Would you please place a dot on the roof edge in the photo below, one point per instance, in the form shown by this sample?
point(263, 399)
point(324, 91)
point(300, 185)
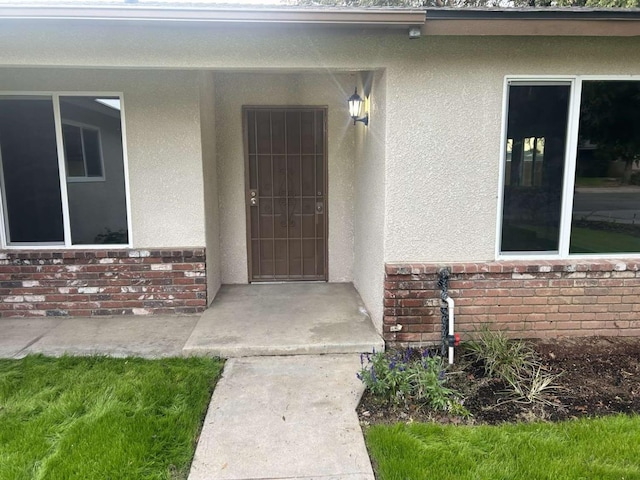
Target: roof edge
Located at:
point(548, 13)
point(368, 17)
point(575, 22)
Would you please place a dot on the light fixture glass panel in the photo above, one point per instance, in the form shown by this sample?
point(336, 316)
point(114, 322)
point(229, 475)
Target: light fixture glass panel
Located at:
point(355, 104)
point(354, 107)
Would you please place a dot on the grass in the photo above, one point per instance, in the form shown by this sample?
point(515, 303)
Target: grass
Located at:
point(596, 181)
point(583, 240)
point(602, 448)
point(101, 418)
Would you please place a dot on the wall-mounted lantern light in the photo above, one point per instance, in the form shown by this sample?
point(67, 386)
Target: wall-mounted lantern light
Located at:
point(355, 105)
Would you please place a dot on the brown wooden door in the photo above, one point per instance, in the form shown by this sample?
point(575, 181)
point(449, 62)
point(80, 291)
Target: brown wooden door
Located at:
point(286, 165)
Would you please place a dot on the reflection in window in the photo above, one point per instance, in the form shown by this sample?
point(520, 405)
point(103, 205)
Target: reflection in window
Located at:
point(606, 198)
point(82, 151)
point(97, 211)
point(536, 141)
point(530, 173)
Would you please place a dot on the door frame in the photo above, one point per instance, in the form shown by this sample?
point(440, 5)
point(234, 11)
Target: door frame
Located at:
point(245, 145)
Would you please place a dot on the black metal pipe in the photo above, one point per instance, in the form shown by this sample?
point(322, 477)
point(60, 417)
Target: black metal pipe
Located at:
point(443, 284)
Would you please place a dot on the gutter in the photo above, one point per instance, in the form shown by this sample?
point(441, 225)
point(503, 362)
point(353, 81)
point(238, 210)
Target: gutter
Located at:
point(613, 22)
point(371, 17)
point(547, 13)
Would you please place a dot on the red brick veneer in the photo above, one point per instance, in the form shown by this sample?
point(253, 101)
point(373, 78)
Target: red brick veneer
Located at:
point(102, 282)
point(528, 298)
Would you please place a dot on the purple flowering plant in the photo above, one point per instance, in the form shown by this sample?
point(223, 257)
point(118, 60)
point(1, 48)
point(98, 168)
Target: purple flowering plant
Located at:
point(411, 375)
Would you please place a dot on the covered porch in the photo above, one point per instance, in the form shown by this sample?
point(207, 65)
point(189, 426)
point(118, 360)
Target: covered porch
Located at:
point(284, 319)
point(188, 181)
point(293, 191)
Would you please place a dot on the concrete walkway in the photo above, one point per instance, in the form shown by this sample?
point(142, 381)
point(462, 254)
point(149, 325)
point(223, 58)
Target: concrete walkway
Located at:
point(284, 418)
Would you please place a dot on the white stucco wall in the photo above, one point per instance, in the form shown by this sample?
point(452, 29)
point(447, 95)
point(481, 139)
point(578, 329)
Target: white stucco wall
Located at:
point(210, 173)
point(192, 45)
point(162, 125)
point(369, 196)
point(233, 90)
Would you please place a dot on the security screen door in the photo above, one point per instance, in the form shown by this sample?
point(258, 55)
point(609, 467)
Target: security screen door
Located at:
point(286, 179)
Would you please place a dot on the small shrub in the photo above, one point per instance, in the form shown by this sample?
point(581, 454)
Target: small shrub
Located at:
point(515, 363)
point(500, 356)
point(635, 178)
point(537, 387)
point(409, 376)
point(111, 237)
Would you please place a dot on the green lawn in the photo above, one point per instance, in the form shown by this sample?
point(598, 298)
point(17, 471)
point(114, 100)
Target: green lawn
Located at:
point(583, 240)
point(101, 418)
point(603, 448)
point(597, 181)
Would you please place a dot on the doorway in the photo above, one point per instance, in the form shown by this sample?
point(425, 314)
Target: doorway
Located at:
point(286, 192)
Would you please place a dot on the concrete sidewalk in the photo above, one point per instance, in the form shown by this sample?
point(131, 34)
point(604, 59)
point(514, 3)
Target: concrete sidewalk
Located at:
point(149, 337)
point(284, 418)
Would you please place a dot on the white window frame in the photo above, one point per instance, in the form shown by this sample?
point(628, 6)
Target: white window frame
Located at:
point(571, 153)
point(68, 245)
point(85, 177)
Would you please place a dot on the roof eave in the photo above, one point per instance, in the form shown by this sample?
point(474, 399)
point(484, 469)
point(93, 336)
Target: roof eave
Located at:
point(364, 17)
point(533, 22)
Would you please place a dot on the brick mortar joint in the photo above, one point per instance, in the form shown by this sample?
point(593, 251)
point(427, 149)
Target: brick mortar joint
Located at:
point(82, 256)
point(519, 266)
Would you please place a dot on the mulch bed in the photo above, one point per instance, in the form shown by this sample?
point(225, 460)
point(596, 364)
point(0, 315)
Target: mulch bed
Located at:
point(598, 376)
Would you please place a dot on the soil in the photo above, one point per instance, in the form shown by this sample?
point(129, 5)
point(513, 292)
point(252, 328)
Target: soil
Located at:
point(597, 376)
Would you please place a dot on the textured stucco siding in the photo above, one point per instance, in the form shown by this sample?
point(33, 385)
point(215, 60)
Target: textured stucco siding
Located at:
point(189, 46)
point(233, 90)
point(369, 197)
point(210, 173)
point(162, 125)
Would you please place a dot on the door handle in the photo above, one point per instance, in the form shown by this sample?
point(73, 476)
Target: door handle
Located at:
point(320, 206)
point(253, 198)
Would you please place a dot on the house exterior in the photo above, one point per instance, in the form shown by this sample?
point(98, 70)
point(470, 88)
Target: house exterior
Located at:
point(152, 153)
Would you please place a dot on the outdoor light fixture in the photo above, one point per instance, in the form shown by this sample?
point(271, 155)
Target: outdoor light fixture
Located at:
point(355, 104)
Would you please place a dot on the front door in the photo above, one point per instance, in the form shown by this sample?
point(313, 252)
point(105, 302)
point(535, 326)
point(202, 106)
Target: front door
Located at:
point(286, 180)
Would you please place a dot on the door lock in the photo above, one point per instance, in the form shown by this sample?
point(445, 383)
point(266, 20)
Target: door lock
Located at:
point(253, 198)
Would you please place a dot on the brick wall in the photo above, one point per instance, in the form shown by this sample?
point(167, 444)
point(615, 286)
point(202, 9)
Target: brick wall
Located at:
point(102, 282)
point(530, 299)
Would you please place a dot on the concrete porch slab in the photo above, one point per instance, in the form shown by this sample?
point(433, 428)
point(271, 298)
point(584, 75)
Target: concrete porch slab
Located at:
point(284, 418)
point(284, 319)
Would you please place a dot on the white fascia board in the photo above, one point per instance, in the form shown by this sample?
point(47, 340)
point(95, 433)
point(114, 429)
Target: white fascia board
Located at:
point(382, 17)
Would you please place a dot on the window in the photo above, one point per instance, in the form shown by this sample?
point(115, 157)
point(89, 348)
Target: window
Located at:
point(52, 149)
point(571, 173)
